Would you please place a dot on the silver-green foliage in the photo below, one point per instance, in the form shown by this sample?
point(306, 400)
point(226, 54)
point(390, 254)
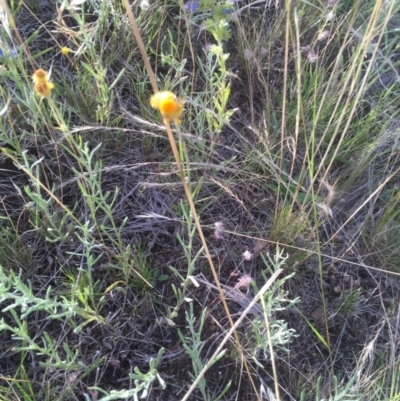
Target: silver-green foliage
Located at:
point(18, 303)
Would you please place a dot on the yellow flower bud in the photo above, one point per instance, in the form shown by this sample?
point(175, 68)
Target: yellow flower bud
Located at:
point(65, 50)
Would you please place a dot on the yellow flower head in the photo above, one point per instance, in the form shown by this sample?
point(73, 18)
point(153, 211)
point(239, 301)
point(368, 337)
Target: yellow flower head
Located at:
point(170, 106)
point(65, 50)
point(44, 89)
point(43, 86)
point(39, 76)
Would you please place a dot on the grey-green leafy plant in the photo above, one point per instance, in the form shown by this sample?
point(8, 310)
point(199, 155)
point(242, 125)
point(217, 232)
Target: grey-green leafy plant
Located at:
point(273, 333)
point(194, 347)
point(142, 383)
point(18, 302)
point(180, 293)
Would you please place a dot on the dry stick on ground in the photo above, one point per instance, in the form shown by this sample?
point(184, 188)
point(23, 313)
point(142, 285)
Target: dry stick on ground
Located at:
point(187, 190)
point(232, 330)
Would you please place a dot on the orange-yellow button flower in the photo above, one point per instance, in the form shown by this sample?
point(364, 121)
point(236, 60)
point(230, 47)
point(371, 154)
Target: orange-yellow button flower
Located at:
point(44, 89)
point(43, 86)
point(170, 106)
point(39, 76)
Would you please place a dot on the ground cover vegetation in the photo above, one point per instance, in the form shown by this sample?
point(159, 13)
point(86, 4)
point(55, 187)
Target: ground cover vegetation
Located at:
point(232, 237)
